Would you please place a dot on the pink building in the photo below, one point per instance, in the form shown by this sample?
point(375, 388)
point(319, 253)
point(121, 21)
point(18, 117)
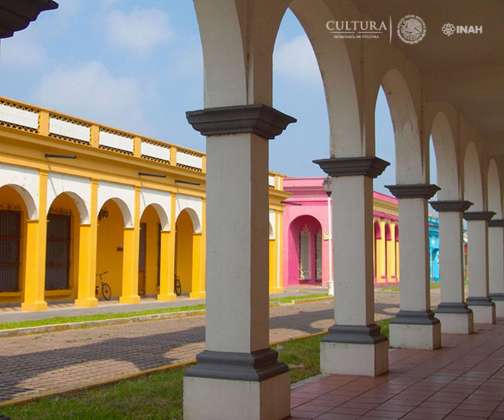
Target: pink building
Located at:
point(307, 239)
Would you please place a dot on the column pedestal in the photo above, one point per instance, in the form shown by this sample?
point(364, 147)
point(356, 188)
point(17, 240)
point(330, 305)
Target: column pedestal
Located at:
point(456, 318)
point(354, 350)
point(415, 326)
point(498, 300)
point(483, 310)
point(415, 330)
point(253, 385)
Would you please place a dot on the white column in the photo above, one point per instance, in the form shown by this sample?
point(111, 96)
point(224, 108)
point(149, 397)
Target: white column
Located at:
point(238, 375)
point(496, 264)
point(415, 326)
point(354, 344)
point(477, 266)
point(455, 316)
point(330, 244)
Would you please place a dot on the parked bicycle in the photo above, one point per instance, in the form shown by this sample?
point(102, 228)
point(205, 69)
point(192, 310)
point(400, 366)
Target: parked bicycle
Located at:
point(178, 286)
point(103, 287)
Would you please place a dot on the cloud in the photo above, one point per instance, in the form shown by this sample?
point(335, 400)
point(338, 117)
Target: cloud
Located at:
point(21, 52)
point(139, 30)
point(90, 90)
point(295, 60)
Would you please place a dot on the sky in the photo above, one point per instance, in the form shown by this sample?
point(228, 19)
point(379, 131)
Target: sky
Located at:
point(137, 65)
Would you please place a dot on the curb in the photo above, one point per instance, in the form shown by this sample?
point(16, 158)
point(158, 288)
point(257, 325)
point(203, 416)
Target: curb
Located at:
point(15, 332)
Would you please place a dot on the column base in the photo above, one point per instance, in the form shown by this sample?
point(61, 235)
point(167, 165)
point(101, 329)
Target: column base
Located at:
point(228, 386)
point(167, 298)
point(498, 300)
point(131, 300)
point(37, 306)
point(483, 309)
point(197, 295)
point(415, 330)
point(354, 350)
point(86, 302)
point(456, 318)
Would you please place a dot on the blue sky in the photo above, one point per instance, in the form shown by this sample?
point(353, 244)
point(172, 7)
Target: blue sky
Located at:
point(137, 65)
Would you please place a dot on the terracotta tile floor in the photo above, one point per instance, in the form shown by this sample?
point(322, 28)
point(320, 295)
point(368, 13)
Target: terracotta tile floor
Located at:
point(464, 380)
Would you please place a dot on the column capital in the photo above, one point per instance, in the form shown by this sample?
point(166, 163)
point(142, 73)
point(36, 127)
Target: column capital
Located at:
point(261, 120)
point(496, 223)
point(478, 215)
point(353, 166)
point(402, 191)
point(459, 206)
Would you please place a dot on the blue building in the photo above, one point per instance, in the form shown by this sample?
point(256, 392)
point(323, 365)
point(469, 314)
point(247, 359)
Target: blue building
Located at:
point(434, 248)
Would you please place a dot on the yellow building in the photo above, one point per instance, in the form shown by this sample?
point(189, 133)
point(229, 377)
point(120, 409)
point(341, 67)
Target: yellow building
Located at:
point(82, 203)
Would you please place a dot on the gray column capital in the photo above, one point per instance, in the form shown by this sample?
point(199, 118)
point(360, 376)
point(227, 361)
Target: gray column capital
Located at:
point(402, 191)
point(353, 166)
point(455, 206)
point(478, 215)
point(261, 120)
point(496, 223)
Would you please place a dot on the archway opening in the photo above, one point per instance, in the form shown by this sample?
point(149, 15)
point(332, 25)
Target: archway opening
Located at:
point(62, 248)
point(305, 251)
point(184, 244)
point(110, 247)
point(13, 217)
point(149, 257)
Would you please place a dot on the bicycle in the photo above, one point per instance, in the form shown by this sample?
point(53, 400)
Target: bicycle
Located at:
point(103, 286)
point(178, 286)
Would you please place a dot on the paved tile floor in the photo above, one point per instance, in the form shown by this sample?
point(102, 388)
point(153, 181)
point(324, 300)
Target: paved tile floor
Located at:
point(60, 361)
point(464, 380)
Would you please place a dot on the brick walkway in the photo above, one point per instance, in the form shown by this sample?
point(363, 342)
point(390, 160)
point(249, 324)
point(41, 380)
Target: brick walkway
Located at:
point(464, 380)
point(61, 361)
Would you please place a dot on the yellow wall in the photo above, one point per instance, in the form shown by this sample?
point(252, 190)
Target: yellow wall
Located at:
point(11, 200)
point(184, 251)
point(109, 252)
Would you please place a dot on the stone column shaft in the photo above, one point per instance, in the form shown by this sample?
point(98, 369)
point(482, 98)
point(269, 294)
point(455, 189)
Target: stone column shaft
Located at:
point(414, 326)
point(238, 372)
point(496, 264)
point(477, 266)
point(354, 344)
point(453, 312)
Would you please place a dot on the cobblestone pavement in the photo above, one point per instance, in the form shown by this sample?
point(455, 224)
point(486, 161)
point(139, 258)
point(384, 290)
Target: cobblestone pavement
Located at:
point(462, 381)
point(61, 361)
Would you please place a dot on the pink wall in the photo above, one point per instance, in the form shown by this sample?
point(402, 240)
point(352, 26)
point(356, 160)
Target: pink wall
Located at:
point(308, 205)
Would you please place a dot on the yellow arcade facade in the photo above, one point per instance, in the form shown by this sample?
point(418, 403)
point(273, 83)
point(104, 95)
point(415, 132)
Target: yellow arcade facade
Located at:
point(83, 204)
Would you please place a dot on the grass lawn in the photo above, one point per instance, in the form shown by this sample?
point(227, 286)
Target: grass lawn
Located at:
point(105, 316)
point(155, 396)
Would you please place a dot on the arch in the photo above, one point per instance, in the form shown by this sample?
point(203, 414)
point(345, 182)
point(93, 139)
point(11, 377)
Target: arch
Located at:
point(122, 195)
point(26, 183)
point(473, 181)
point(377, 230)
point(194, 208)
point(408, 144)
point(494, 189)
point(396, 233)
point(338, 76)
point(79, 189)
point(303, 259)
point(446, 157)
point(160, 201)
